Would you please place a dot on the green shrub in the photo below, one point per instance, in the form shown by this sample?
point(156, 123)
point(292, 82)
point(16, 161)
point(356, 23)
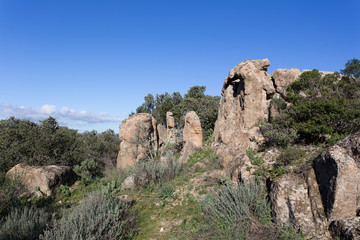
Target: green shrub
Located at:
point(10, 190)
point(231, 212)
point(330, 105)
point(88, 170)
point(290, 155)
point(322, 108)
point(155, 171)
point(24, 224)
point(239, 212)
point(255, 160)
point(166, 192)
point(63, 191)
point(99, 216)
point(280, 131)
point(205, 155)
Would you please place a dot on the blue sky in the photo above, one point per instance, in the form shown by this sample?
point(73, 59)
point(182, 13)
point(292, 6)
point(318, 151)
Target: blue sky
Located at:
point(90, 63)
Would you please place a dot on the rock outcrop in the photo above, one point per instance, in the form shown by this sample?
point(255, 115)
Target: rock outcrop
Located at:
point(326, 197)
point(245, 100)
point(192, 135)
point(138, 138)
point(45, 178)
point(338, 174)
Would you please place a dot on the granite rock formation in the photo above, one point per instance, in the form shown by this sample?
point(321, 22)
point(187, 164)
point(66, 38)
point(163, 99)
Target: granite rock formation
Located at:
point(138, 138)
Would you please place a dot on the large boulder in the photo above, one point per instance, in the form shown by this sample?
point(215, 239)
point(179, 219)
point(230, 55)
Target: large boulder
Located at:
point(338, 174)
point(192, 135)
point(138, 138)
point(295, 200)
point(45, 178)
point(245, 100)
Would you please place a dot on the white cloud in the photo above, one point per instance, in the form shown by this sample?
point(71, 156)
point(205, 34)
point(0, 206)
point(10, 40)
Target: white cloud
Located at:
point(63, 115)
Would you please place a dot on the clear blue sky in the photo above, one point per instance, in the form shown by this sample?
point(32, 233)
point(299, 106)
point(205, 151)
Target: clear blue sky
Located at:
point(90, 63)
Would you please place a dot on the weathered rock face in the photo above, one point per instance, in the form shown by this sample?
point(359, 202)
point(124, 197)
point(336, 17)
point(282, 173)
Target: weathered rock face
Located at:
point(245, 100)
point(47, 178)
point(296, 200)
point(138, 136)
point(192, 130)
point(163, 135)
point(192, 136)
point(338, 174)
point(170, 126)
point(347, 229)
point(283, 78)
point(170, 123)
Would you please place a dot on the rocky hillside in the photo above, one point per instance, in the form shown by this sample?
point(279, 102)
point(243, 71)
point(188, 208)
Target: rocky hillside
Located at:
point(283, 163)
point(314, 192)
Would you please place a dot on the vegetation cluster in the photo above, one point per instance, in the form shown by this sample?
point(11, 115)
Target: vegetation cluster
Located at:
point(317, 109)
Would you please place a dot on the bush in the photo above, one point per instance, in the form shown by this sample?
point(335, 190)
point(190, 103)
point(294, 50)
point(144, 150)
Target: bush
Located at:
point(322, 108)
point(155, 171)
point(26, 224)
point(240, 212)
point(280, 131)
point(88, 170)
point(290, 155)
point(64, 192)
point(99, 216)
point(205, 155)
point(255, 160)
point(231, 213)
point(10, 189)
point(166, 192)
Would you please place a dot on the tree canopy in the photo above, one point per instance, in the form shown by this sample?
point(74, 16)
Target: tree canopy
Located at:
point(352, 68)
point(48, 143)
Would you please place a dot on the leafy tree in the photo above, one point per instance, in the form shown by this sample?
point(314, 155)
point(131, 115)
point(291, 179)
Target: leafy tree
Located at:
point(166, 103)
point(352, 68)
point(148, 105)
point(196, 92)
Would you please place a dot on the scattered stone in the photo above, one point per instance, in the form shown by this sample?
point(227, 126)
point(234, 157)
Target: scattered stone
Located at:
point(128, 183)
